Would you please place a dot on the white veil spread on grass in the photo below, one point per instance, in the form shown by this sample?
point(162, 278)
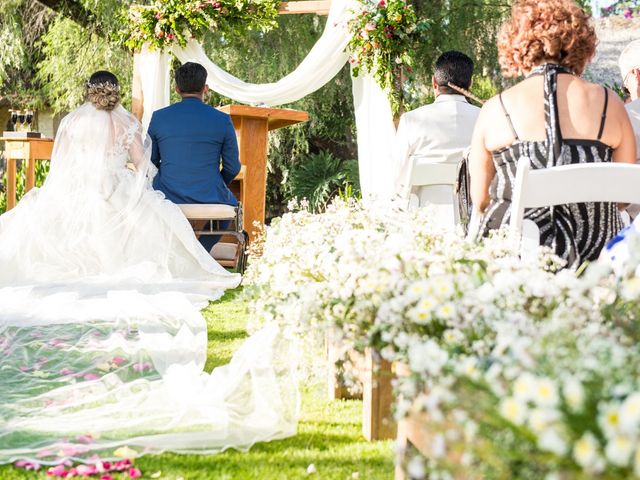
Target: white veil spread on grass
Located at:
point(102, 344)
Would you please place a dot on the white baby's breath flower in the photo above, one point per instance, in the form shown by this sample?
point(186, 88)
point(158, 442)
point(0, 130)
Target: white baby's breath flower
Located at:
point(630, 413)
point(573, 394)
point(609, 420)
point(416, 468)
point(524, 387)
point(446, 311)
point(513, 410)
point(585, 452)
point(618, 450)
point(546, 393)
point(551, 440)
point(541, 418)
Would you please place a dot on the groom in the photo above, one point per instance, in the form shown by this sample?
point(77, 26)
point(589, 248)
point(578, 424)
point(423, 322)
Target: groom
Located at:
point(194, 147)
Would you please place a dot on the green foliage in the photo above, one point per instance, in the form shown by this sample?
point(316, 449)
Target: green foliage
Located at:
point(71, 55)
point(163, 24)
point(42, 170)
point(320, 177)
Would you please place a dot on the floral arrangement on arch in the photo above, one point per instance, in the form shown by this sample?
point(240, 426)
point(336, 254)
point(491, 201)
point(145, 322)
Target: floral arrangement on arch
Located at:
point(383, 36)
point(626, 8)
point(165, 23)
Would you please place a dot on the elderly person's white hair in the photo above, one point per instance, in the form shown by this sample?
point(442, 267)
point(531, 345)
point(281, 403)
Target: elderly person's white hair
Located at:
point(629, 58)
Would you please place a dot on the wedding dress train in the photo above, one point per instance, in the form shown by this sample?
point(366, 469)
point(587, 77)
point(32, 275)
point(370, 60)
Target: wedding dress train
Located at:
point(102, 344)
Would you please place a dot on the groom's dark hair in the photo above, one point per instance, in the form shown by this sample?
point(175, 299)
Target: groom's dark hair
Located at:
point(453, 67)
point(191, 78)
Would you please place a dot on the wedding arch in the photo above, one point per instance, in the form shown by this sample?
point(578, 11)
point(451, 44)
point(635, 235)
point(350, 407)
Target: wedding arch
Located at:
point(373, 110)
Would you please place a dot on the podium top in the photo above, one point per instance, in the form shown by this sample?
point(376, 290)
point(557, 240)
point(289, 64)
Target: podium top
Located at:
point(26, 139)
point(275, 117)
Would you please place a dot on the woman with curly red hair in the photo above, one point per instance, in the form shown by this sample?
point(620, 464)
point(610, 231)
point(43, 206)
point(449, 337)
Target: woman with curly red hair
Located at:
point(553, 117)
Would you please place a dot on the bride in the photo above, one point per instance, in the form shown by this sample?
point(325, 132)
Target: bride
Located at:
point(102, 342)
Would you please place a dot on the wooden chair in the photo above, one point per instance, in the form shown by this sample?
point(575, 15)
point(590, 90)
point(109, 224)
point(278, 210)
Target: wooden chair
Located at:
point(230, 255)
point(439, 180)
point(585, 182)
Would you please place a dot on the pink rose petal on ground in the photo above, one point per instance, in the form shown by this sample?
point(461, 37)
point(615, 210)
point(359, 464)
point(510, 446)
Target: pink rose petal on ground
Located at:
point(141, 367)
point(118, 360)
point(57, 471)
point(27, 465)
point(24, 369)
point(66, 371)
point(91, 376)
point(122, 465)
point(135, 473)
point(106, 477)
point(86, 470)
point(84, 439)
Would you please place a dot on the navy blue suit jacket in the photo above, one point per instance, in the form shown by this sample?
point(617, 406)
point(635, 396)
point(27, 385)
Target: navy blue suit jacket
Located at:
point(190, 140)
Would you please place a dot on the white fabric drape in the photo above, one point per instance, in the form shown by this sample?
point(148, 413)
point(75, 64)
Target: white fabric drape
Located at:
point(374, 120)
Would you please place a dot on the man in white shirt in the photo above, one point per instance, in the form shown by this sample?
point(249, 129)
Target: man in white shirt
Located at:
point(630, 70)
point(436, 133)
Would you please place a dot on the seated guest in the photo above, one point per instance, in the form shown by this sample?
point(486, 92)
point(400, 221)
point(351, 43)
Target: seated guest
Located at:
point(191, 142)
point(630, 70)
point(438, 132)
point(553, 117)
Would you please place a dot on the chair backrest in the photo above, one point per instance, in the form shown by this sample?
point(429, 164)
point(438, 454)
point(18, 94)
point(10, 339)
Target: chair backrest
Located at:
point(425, 174)
point(585, 182)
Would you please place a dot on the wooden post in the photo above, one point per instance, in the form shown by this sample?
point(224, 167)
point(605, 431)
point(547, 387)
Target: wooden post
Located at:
point(11, 182)
point(377, 415)
point(252, 126)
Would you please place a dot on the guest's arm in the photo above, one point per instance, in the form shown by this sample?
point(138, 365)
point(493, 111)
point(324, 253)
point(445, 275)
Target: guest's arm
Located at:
point(481, 168)
point(155, 150)
point(625, 149)
point(230, 155)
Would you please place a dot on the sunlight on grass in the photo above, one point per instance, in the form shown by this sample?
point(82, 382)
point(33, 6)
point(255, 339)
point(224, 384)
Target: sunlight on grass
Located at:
point(329, 434)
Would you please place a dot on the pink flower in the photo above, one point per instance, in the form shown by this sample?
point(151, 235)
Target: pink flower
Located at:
point(106, 477)
point(141, 367)
point(370, 27)
point(27, 465)
point(91, 376)
point(66, 371)
point(57, 471)
point(84, 439)
point(118, 360)
point(158, 16)
point(169, 36)
point(122, 465)
point(86, 470)
point(135, 473)
point(382, 4)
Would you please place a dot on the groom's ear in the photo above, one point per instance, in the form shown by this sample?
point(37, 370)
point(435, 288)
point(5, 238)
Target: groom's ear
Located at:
point(205, 90)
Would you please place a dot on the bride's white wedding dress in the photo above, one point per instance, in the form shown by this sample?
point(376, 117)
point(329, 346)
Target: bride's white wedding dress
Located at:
point(102, 344)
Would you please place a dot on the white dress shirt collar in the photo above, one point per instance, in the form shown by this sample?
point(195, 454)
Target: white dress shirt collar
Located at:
point(447, 97)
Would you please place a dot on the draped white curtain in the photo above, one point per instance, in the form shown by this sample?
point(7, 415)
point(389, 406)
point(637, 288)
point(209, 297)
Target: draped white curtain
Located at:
point(374, 119)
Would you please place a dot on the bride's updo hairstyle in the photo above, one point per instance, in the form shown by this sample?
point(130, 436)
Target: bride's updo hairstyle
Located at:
point(103, 90)
point(539, 31)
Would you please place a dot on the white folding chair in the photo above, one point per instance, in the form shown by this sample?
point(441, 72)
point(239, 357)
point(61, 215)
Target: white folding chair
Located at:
point(585, 182)
point(439, 180)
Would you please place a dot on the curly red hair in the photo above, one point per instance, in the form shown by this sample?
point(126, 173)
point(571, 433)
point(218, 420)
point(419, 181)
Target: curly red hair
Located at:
point(557, 31)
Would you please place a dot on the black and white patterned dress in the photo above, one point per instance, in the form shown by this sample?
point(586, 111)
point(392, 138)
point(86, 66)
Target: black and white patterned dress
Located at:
point(578, 231)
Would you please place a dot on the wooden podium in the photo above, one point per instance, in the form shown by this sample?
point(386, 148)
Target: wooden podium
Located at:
point(29, 149)
point(252, 126)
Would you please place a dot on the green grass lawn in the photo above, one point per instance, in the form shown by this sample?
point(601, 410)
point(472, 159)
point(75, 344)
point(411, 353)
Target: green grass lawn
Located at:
point(329, 434)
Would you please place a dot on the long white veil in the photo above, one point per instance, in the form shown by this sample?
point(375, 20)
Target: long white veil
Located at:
point(102, 344)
